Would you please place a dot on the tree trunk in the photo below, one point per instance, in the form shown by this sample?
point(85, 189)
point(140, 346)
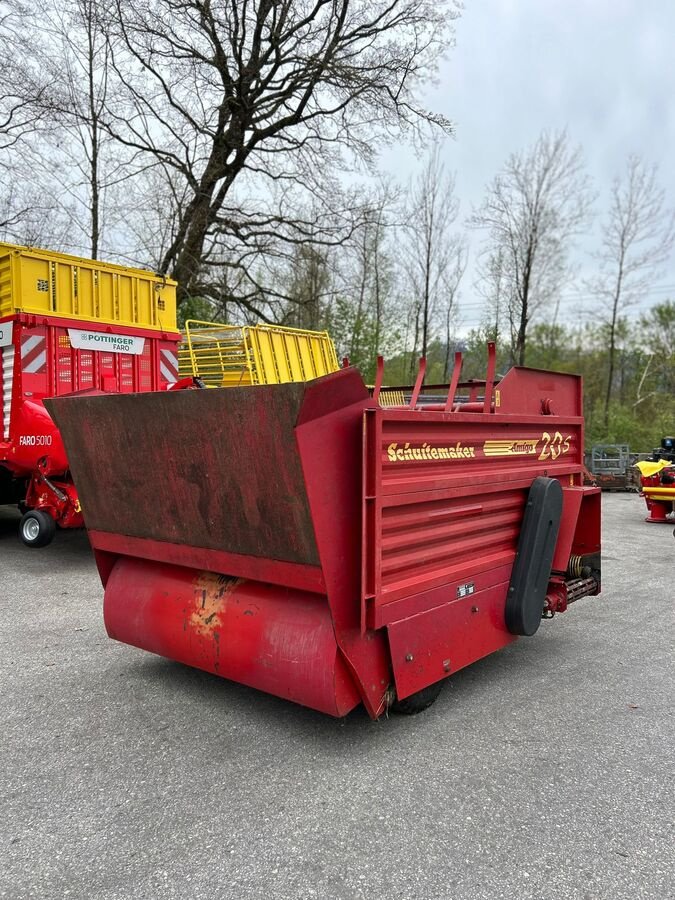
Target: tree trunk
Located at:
point(612, 342)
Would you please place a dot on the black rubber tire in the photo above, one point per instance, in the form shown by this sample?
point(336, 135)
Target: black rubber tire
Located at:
point(37, 528)
point(418, 702)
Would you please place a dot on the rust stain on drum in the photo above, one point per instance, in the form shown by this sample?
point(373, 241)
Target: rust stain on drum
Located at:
point(211, 592)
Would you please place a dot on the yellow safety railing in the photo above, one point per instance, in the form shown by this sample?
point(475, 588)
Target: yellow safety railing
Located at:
point(388, 398)
point(230, 355)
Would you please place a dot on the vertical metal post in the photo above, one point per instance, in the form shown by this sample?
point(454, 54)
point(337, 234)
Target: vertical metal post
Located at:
point(419, 382)
point(490, 377)
point(456, 373)
point(379, 377)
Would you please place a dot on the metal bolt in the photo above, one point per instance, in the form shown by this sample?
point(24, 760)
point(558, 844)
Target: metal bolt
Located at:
point(474, 609)
point(446, 665)
point(409, 657)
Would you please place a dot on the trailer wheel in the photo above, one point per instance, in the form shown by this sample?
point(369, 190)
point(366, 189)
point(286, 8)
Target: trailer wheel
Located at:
point(419, 701)
point(37, 528)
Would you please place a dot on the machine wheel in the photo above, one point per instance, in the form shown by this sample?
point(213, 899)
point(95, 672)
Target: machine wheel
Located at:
point(37, 528)
point(419, 701)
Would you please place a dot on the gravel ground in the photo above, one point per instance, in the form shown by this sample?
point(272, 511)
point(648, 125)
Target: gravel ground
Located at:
point(544, 771)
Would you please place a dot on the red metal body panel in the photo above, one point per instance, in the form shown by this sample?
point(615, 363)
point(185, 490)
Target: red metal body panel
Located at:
point(274, 571)
point(444, 495)
point(438, 642)
point(40, 361)
point(329, 437)
point(443, 488)
point(399, 526)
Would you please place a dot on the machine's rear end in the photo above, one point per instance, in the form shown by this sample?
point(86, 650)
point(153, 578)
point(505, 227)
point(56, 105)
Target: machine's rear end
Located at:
point(308, 541)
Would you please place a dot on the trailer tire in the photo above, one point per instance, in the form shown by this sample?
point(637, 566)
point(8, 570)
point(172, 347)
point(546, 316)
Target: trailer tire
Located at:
point(37, 528)
point(419, 701)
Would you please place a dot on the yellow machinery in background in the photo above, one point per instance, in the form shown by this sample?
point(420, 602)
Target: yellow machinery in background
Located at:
point(231, 355)
point(59, 285)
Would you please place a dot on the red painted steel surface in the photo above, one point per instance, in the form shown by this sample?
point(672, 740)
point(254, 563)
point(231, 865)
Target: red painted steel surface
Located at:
point(275, 571)
point(269, 638)
point(445, 492)
point(436, 643)
point(41, 362)
point(329, 437)
point(444, 495)
point(398, 526)
point(535, 392)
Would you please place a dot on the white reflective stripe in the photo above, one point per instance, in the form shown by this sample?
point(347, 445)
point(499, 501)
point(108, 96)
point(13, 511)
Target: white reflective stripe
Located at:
point(6, 392)
point(36, 364)
point(168, 375)
point(171, 358)
point(29, 344)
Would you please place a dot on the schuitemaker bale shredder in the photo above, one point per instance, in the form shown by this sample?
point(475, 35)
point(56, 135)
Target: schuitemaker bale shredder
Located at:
point(309, 541)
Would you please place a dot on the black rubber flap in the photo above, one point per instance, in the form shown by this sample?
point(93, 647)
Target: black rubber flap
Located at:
point(536, 546)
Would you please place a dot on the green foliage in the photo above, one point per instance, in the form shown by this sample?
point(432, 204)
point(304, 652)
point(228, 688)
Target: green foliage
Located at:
point(643, 387)
point(643, 408)
point(194, 308)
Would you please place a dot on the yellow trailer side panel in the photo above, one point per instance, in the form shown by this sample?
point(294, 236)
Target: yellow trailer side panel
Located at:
point(45, 283)
point(227, 355)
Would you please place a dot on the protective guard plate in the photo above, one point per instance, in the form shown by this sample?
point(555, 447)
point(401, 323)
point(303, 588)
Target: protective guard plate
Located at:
point(217, 468)
point(536, 546)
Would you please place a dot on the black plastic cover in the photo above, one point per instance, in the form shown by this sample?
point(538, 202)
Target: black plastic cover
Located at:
point(536, 546)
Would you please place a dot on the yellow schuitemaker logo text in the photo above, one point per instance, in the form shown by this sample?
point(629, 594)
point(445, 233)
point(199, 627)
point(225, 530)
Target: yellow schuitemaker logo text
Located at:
point(426, 451)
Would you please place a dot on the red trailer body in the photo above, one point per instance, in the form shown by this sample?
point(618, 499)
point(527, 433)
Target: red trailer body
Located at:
point(52, 356)
point(306, 541)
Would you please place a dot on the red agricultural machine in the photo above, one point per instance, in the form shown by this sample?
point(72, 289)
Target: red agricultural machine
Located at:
point(69, 324)
point(313, 542)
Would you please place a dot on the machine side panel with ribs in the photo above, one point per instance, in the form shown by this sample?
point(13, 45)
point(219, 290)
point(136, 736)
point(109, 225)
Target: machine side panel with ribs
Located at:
point(304, 540)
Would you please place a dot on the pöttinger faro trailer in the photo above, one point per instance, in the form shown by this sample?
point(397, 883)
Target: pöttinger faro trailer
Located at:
point(69, 324)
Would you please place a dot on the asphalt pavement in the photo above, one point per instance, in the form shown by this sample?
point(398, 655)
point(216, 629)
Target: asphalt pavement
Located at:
point(544, 771)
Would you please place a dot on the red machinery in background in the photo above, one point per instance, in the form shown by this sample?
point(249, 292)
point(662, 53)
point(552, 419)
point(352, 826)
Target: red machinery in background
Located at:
point(69, 324)
point(306, 540)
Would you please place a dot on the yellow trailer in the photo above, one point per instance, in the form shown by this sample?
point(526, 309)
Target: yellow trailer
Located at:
point(68, 325)
point(230, 355)
point(43, 282)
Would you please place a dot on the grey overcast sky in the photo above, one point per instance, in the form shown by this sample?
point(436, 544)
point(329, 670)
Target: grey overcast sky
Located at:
point(604, 69)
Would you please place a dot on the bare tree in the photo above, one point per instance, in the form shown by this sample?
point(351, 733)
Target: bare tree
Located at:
point(273, 96)
point(637, 238)
point(431, 249)
point(24, 88)
point(452, 280)
point(310, 287)
point(23, 85)
point(365, 273)
point(531, 212)
point(82, 68)
point(492, 287)
point(79, 163)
